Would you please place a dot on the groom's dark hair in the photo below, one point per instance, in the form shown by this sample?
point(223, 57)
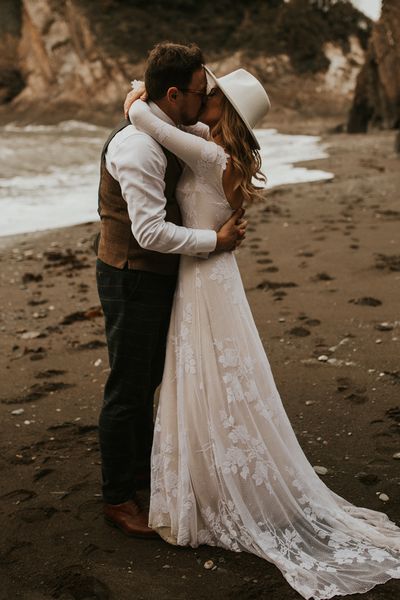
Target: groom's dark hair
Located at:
point(171, 65)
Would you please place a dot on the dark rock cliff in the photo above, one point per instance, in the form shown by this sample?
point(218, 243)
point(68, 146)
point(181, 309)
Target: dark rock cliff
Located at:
point(377, 94)
point(66, 58)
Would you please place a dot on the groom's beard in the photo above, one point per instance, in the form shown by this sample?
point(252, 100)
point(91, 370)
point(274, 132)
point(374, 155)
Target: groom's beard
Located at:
point(188, 118)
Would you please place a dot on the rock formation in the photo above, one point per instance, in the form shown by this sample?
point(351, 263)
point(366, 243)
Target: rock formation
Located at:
point(11, 80)
point(377, 96)
point(61, 59)
point(75, 58)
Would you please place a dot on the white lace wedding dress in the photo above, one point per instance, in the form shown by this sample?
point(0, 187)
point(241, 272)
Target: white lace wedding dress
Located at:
point(227, 469)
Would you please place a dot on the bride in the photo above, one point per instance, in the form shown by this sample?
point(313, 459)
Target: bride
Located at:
point(227, 469)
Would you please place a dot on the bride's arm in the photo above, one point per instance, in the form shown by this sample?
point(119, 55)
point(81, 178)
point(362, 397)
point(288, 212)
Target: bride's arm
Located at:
point(200, 129)
point(190, 148)
point(139, 92)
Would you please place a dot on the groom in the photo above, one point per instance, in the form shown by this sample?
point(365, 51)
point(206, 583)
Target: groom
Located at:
point(141, 238)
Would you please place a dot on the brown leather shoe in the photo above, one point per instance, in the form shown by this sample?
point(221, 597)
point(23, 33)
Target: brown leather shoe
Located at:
point(131, 518)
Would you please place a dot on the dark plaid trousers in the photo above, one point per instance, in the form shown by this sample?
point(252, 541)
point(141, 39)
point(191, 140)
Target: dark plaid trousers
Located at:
point(137, 308)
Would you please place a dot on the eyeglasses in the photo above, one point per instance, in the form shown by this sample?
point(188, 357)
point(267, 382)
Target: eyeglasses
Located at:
point(203, 95)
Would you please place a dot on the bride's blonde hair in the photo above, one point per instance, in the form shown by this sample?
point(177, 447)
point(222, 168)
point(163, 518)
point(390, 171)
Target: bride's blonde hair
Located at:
point(239, 144)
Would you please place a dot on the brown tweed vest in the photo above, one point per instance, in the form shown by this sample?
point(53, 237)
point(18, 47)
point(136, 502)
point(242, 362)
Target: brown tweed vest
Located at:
point(117, 246)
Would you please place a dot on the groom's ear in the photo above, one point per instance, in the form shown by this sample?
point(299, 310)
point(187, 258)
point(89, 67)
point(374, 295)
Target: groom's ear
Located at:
point(172, 94)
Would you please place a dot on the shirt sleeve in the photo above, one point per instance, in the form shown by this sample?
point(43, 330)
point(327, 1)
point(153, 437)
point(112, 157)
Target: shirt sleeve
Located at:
point(202, 156)
point(139, 164)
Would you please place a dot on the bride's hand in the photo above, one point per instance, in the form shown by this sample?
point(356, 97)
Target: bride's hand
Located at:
point(138, 93)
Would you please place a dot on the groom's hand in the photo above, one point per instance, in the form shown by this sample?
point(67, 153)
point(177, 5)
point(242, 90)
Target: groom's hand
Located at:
point(232, 233)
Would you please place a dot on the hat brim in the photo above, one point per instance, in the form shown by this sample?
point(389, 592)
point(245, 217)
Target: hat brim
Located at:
point(245, 121)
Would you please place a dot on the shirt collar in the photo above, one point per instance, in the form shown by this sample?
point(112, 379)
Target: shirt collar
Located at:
point(160, 113)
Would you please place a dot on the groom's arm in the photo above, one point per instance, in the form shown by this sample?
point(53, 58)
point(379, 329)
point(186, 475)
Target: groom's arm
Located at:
point(138, 163)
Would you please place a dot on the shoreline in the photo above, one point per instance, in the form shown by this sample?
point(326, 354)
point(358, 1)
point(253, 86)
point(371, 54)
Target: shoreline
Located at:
point(321, 265)
point(64, 193)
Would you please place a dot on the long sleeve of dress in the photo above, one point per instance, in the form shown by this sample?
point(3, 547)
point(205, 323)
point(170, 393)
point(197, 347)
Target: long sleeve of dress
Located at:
point(199, 129)
point(199, 154)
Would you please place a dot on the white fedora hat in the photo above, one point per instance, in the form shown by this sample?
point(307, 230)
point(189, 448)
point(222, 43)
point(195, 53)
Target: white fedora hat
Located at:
point(246, 94)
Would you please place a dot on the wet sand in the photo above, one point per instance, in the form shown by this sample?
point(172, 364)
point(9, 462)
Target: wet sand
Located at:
point(321, 265)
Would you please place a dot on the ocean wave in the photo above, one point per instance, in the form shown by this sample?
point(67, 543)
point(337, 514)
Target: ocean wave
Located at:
point(70, 125)
point(50, 177)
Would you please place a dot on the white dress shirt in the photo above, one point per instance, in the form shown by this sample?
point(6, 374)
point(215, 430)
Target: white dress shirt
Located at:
point(138, 163)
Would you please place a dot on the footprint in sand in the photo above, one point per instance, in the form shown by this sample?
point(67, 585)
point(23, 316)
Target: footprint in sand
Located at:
point(18, 496)
point(388, 262)
point(366, 301)
point(385, 442)
point(322, 277)
point(299, 332)
point(79, 586)
point(38, 391)
point(389, 214)
point(269, 270)
point(368, 478)
point(308, 321)
point(13, 553)
point(36, 514)
point(42, 473)
point(275, 285)
point(264, 261)
point(355, 394)
point(92, 345)
point(31, 277)
point(312, 322)
point(34, 302)
point(279, 295)
point(49, 373)
point(394, 415)
point(90, 510)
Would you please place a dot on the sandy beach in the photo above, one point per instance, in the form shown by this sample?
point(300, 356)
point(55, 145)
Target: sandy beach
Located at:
point(321, 266)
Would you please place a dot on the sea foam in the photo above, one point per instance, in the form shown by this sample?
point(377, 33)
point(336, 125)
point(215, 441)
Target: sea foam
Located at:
point(50, 173)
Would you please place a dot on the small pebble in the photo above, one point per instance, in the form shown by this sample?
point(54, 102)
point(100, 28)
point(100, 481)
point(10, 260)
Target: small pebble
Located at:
point(383, 497)
point(208, 564)
point(397, 455)
point(98, 362)
point(30, 335)
point(323, 358)
point(19, 411)
point(320, 470)
point(384, 326)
